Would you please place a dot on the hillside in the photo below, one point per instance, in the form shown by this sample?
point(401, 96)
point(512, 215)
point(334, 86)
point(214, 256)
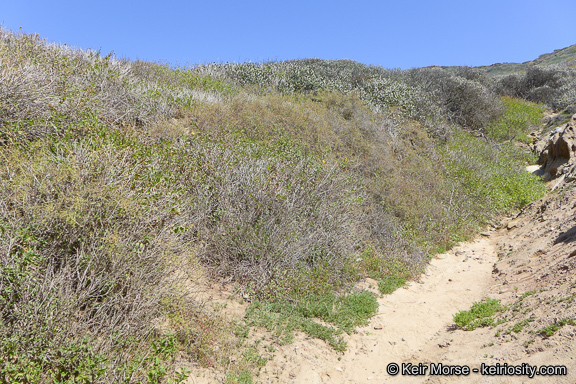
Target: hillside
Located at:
point(156, 220)
point(565, 56)
point(523, 263)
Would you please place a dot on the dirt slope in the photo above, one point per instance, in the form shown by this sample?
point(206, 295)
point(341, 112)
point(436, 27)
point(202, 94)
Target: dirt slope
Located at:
point(527, 262)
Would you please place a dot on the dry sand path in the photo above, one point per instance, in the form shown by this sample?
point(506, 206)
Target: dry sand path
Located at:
point(409, 322)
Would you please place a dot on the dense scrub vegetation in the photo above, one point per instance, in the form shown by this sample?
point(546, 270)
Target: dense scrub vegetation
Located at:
point(553, 85)
point(123, 184)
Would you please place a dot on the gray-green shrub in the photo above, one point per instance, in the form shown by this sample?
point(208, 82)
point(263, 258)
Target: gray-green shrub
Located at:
point(552, 85)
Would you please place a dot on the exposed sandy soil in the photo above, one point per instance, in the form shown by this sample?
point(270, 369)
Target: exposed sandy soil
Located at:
point(408, 320)
point(527, 262)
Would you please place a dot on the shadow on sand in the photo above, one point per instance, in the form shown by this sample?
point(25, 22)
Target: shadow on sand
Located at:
point(566, 237)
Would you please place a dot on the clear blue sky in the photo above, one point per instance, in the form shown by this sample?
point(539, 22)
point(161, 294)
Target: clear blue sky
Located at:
point(398, 33)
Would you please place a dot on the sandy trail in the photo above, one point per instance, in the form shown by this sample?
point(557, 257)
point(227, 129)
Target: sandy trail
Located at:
point(420, 315)
point(409, 321)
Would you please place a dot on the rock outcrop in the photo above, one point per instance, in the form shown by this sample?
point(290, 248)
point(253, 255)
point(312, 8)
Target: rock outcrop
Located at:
point(556, 151)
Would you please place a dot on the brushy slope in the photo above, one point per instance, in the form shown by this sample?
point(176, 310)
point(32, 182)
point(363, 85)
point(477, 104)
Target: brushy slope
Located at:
point(565, 57)
point(123, 182)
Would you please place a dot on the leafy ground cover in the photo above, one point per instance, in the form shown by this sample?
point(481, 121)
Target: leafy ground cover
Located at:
point(481, 314)
point(520, 118)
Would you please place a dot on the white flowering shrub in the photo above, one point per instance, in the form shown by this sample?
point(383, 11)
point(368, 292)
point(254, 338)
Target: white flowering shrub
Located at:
point(461, 96)
point(379, 87)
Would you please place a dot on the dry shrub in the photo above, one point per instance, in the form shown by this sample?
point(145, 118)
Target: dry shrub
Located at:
point(430, 95)
point(463, 101)
point(99, 231)
point(262, 223)
point(52, 89)
point(86, 260)
point(328, 124)
point(328, 127)
point(552, 85)
point(262, 212)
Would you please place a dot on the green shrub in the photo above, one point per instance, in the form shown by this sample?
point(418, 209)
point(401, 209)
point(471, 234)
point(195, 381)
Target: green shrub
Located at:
point(518, 327)
point(487, 175)
point(480, 315)
point(244, 377)
point(526, 294)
